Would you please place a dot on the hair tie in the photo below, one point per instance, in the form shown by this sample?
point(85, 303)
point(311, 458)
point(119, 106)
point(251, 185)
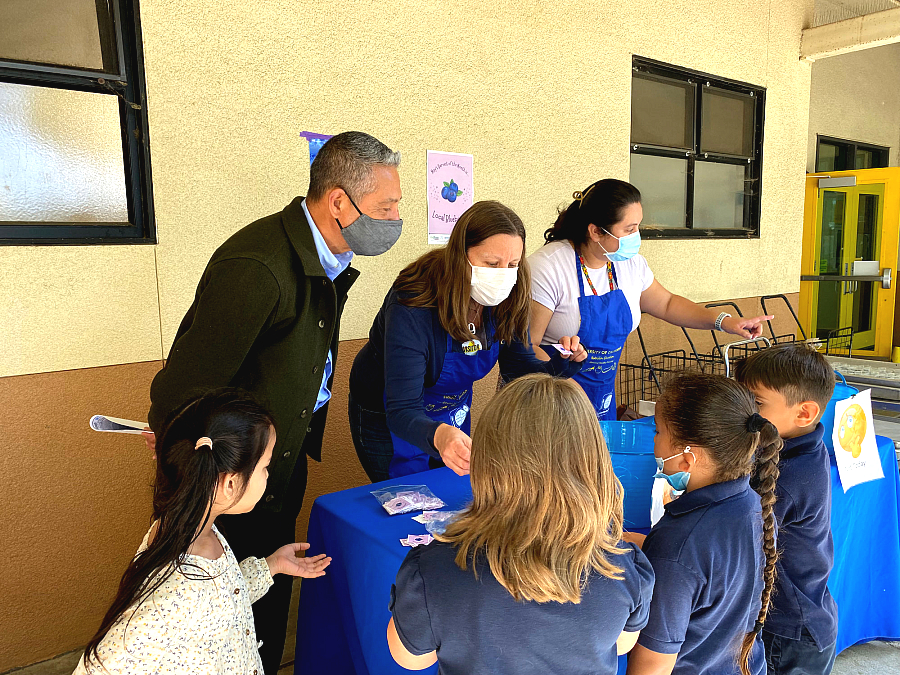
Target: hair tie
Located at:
point(758, 627)
point(202, 442)
point(755, 423)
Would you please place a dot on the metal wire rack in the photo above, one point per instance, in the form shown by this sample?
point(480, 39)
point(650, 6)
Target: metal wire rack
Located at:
point(644, 381)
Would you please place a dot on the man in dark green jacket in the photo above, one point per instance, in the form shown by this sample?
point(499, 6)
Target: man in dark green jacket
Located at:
point(266, 318)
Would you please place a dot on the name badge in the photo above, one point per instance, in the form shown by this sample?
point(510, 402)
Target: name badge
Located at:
point(471, 347)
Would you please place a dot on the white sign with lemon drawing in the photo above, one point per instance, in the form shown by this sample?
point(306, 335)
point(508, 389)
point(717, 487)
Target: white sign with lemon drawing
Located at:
point(855, 448)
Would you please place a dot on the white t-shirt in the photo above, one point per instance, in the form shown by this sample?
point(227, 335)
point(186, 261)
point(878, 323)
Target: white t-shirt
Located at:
point(555, 285)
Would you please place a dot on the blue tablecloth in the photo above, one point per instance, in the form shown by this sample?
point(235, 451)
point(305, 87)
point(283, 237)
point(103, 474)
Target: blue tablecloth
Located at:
point(865, 581)
point(343, 616)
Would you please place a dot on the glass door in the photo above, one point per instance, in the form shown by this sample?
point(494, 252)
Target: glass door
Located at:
point(862, 254)
point(828, 313)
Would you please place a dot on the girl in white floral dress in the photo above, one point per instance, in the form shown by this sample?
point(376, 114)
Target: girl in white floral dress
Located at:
point(183, 605)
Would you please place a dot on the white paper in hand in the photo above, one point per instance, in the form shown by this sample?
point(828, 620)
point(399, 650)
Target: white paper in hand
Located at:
point(116, 425)
point(657, 507)
point(562, 350)
point(855, 447)
point(661, 495)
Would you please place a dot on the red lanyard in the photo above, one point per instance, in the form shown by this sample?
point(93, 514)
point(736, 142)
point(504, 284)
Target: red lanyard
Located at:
point(609, 275)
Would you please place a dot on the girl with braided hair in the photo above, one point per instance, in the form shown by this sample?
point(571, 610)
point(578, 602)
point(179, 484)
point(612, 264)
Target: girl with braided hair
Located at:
point(713, 551)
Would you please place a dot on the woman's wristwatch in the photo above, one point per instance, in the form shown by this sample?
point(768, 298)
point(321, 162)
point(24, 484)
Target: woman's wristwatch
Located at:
point(720, 319)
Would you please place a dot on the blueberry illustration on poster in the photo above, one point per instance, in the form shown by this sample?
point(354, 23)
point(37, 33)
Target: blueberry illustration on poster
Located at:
point(450, 191)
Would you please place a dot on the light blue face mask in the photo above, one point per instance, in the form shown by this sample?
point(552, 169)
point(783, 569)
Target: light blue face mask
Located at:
point(629, 245)
point(678, 481)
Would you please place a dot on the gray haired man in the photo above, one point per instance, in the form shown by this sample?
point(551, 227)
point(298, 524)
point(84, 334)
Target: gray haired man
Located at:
point(266, 318)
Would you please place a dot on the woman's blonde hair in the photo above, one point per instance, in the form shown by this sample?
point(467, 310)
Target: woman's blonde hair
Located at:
point(547, 507)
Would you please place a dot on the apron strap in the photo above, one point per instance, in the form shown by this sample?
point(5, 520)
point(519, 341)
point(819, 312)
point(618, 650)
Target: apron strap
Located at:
point(578, 272)
point(582, 271)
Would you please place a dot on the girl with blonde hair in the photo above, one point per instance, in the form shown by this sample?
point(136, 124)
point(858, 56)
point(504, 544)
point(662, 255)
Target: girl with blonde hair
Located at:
point(533, 576)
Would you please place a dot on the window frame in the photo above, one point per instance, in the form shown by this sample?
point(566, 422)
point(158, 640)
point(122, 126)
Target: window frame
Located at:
point(703, 81)
point(129, 85)
point(851, 147)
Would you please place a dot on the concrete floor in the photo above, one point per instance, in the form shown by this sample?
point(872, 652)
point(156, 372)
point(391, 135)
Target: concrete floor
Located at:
point(889, 429)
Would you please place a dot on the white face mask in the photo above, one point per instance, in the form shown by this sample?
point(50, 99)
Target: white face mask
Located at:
point(492, 285)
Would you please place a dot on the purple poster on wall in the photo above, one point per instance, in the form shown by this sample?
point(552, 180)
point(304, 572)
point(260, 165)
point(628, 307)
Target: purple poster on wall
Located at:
point(450, 192)
point(316, 141)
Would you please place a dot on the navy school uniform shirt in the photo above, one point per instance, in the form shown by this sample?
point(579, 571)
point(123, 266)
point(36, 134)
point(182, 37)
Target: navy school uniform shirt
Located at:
point(405, 354)
point(478, 628)
point(707, 554)
point(803, 512)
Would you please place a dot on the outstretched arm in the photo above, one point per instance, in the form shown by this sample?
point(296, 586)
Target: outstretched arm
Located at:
point(680, 311)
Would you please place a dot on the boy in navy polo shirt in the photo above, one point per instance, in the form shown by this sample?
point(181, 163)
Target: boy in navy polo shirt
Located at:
point(792, 385)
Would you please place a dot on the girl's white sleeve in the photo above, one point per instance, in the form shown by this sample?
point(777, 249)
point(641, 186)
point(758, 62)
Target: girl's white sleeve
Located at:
point(258, 577)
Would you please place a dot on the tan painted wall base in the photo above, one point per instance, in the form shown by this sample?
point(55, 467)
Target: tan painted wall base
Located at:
point(75, 504)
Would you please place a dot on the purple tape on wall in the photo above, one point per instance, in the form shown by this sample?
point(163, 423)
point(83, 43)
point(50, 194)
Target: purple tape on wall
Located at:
point(316, 141)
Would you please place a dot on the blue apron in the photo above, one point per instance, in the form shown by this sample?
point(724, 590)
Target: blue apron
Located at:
point(448, 401)
point(606, 322)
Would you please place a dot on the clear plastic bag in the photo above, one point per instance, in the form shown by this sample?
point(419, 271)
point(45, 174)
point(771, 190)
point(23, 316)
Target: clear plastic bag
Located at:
point(439, 520)
point(407, 498)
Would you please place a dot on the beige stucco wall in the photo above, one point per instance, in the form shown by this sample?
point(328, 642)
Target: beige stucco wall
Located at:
point(66, 307)
point(856, 96)
point(538, 92)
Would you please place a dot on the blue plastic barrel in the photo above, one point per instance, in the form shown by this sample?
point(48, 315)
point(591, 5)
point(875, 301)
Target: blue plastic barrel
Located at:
point(631, 449)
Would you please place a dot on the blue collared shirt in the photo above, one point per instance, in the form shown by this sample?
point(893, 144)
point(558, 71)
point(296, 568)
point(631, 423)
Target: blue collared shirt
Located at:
point(333, 264)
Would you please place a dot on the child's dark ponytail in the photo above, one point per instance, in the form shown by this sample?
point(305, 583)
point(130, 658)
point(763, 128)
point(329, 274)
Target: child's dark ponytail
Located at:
point(187, 476)
point(766, 471)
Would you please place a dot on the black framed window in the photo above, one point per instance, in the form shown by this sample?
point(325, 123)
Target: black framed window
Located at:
point(696, 152)
point(74, 146)
point(835, 154)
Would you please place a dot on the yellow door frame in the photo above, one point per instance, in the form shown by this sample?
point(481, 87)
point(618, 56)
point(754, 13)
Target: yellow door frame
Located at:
point(888, 251)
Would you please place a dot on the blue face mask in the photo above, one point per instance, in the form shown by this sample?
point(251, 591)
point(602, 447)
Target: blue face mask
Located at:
point(628, 247)
point(678, 481)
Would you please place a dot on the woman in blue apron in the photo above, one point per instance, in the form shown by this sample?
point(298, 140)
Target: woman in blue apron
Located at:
point(589, 280)
point(449, 318)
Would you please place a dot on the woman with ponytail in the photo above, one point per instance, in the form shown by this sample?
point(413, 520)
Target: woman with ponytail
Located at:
point(713, 551)
point(589, 280)
point(183, 604)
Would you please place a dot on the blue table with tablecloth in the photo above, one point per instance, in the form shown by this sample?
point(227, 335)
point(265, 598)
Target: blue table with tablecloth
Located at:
point(343, 616)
